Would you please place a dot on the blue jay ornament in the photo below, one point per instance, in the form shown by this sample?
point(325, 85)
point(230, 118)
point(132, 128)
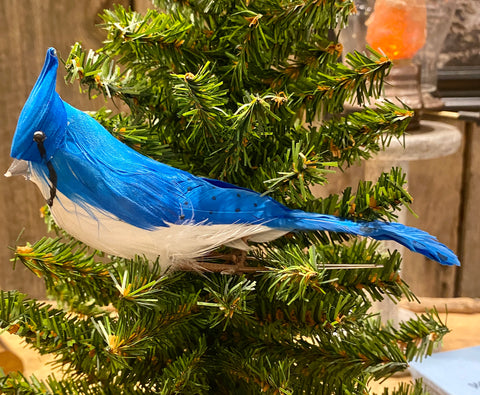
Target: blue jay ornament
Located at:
point(123, 203)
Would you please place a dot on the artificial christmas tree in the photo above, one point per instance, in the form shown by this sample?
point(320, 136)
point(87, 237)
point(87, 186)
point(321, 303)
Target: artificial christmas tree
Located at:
point(252, 94)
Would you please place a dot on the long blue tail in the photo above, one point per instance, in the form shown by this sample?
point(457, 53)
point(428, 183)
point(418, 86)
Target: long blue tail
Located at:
point(414, 239)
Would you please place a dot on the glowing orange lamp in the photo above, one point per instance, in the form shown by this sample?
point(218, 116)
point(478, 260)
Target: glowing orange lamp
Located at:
point(398, 27)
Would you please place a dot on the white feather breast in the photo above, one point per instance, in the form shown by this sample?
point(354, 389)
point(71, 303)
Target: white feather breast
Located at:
point(173, 244)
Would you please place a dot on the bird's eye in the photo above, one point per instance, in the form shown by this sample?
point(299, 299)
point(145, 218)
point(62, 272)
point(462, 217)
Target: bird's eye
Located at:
point(39, 136)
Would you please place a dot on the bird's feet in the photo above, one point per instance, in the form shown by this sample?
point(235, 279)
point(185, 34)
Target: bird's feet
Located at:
point(233, 263)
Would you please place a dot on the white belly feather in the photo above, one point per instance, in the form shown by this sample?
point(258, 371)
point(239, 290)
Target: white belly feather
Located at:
point(173, 244)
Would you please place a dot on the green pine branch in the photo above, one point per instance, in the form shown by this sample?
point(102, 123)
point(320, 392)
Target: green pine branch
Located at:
point(296, 272)
point(68, 267)
point(239, 129)
point(415, 388)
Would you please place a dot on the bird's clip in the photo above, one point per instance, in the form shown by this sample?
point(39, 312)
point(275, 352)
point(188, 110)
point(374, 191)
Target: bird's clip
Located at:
point(39, 137)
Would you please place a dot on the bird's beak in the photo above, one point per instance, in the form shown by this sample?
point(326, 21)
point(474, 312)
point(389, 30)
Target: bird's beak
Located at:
point(18, 168)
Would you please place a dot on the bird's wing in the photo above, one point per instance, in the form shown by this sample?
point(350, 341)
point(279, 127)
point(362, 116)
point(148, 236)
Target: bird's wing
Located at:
point(143, 197)
point(218, 202)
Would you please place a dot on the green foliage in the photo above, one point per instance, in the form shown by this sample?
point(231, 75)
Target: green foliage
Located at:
point(227, 91)
point(288, 329)
point(251, 92)
point(415, 388)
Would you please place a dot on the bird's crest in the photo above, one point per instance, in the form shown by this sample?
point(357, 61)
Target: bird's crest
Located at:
point(44, 111)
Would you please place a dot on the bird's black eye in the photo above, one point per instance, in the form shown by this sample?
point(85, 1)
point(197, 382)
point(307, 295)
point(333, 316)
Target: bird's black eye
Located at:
point(39, 136)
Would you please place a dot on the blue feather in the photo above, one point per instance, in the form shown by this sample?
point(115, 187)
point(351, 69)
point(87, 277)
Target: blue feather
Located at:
point(98, 175)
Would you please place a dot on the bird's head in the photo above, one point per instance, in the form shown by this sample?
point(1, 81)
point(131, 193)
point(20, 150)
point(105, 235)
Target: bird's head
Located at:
point(44, 112)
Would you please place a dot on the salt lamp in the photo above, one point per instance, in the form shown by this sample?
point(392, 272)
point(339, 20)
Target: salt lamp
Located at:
point(397, 27)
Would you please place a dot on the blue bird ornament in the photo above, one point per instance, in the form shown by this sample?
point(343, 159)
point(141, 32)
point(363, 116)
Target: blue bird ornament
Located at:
point(118, 201)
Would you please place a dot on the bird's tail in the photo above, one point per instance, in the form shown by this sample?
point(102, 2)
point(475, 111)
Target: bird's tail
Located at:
point(414, 239)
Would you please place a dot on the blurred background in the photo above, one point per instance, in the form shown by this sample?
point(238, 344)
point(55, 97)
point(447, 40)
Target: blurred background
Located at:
point(445, 189)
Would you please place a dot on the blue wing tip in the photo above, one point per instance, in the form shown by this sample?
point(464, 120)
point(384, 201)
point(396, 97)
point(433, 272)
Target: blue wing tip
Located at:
point(453, 261)
point(447, 259)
